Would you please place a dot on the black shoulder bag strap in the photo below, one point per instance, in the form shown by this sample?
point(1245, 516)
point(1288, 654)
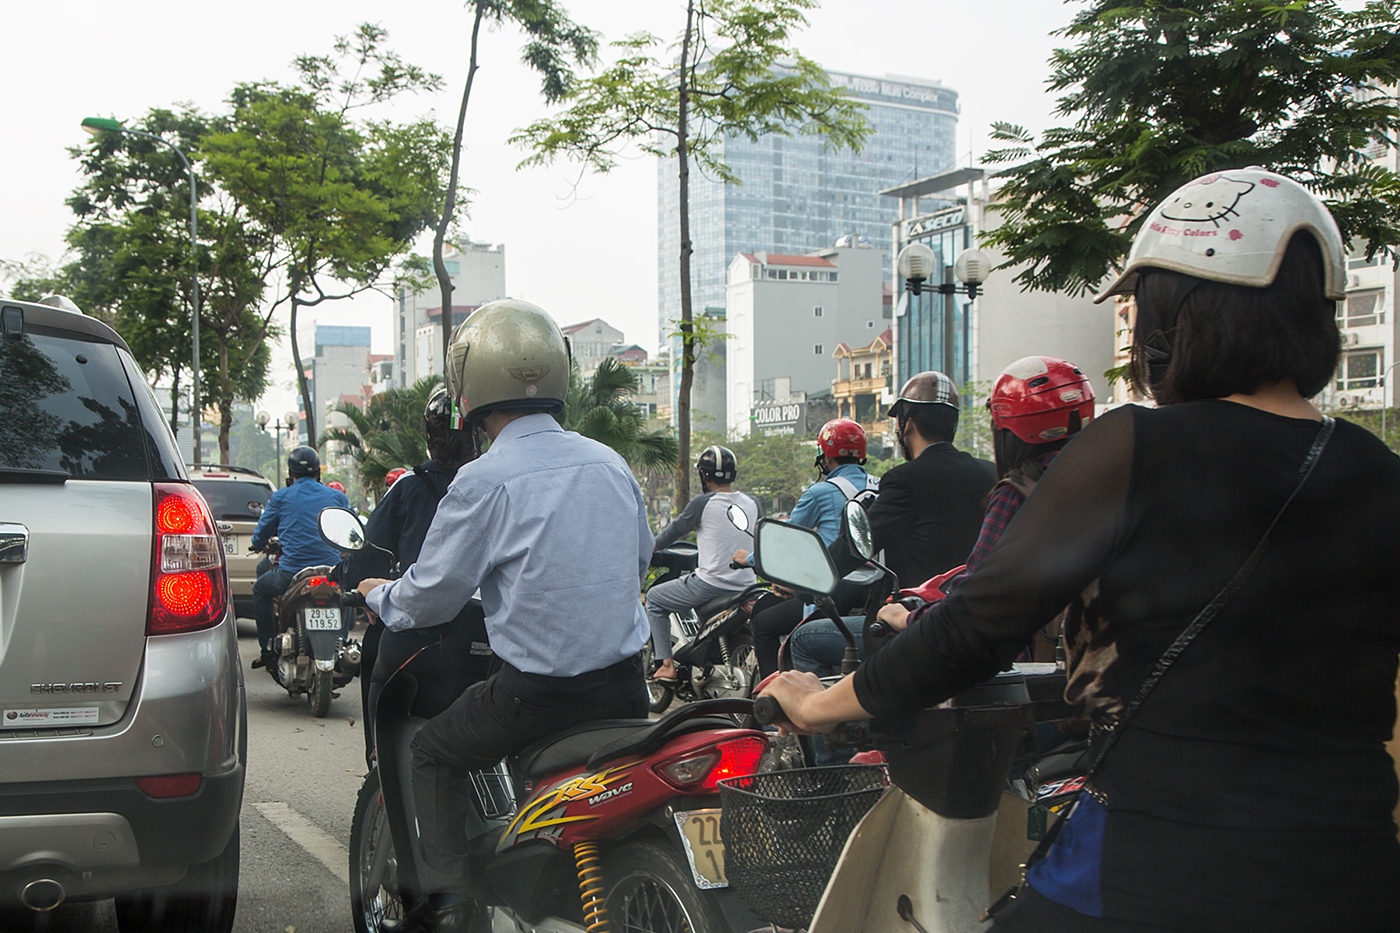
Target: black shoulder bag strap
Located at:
point(1168, 658)
point(432, 481)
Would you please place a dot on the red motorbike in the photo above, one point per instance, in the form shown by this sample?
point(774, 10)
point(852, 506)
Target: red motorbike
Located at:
point(609, 825)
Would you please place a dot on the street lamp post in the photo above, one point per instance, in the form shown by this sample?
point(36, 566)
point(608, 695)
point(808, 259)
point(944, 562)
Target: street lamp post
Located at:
point(916, 263)
point(290, 420)
point(97, 125)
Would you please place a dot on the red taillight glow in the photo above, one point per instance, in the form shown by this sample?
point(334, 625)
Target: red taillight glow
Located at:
point(184, 594)
point(176, 515)
point(188, 584)
point(705, 768)
point(317, 581)
point(170, 785)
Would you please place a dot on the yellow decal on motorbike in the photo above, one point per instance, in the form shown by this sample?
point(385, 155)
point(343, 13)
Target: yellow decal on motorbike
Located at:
point(534, 816)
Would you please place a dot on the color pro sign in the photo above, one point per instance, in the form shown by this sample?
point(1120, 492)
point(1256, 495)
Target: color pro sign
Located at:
point(786, 416)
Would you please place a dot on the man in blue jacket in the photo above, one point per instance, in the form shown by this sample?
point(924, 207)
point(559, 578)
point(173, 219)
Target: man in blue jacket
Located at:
point(291, 514)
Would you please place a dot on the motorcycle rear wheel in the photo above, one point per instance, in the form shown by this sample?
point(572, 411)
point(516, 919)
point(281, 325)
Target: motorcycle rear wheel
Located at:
point(374, 884)
point(319, 696)
point(650, 889)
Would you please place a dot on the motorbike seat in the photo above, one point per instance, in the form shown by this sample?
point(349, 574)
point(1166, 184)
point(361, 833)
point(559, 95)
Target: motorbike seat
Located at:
point(709, 609)
point(577, 745)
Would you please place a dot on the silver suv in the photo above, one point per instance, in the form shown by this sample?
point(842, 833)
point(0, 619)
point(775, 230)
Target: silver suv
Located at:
point(123, 728)
point(236, 495)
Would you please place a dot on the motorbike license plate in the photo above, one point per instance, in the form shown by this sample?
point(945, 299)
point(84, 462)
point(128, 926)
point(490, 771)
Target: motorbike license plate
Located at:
point(231, 545)
point(703, 847)
point(321, 620)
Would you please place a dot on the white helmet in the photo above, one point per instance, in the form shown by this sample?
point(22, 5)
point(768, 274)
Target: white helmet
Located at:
point(1233, 226)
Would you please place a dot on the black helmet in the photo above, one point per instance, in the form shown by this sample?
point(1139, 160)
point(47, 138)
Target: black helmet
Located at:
point(718, 465)
point(303, 461)
point(437, 415)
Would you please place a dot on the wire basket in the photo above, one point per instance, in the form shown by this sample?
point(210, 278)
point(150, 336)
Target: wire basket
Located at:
point(784, 831)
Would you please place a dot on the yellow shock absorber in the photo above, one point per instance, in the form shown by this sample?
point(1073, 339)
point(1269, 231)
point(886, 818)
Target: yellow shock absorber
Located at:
point(590, 886)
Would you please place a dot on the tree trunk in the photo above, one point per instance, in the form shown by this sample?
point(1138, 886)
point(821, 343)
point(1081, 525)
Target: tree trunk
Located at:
point(687, 317)
point(450, 203)
point(308, 413)
point(225, 398)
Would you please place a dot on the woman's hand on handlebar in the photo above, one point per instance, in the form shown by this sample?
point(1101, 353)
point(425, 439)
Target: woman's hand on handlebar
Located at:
point(895, 616)
point(792, 689)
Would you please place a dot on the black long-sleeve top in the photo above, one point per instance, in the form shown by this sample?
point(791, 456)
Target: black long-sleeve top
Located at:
point(1255, 775)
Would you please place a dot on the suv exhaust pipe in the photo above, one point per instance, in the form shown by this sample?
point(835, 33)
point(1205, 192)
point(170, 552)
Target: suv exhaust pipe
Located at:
point(42, 895)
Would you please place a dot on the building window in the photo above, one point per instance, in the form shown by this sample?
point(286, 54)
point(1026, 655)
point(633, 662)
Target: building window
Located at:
point(870, 325)
point(1359, 370)
point(1362, 308)
point(817, 349)
point(817, 311)
point(453, 266)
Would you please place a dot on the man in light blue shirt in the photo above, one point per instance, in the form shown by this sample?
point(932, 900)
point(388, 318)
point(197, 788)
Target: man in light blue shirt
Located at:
point(552, 528)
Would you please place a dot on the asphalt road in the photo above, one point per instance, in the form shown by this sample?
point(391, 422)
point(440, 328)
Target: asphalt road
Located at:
point(303, 774)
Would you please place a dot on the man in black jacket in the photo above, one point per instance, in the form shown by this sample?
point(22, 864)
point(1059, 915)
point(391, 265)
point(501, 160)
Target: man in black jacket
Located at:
point(930, 509)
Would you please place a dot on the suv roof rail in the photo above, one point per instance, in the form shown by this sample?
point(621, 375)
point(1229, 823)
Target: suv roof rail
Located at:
point(226, 467)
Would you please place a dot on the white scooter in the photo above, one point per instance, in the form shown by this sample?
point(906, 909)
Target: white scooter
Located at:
point(928, 856)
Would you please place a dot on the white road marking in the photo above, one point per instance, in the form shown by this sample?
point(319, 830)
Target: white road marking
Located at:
point(309, 836)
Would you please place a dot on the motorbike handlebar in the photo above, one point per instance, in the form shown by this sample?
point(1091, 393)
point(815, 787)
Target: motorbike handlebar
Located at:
point(736, 565)
point(352, 599)
point(767, 711)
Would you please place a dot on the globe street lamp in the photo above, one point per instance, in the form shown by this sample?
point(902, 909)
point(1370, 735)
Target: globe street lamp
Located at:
point(916, 262)
point(98, 125)
point(290, 420)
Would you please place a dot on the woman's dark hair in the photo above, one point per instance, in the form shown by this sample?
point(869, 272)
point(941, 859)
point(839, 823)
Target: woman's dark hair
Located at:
point(1197, 339)
point(935, 422)
point(1019, 461)
point(451, 448)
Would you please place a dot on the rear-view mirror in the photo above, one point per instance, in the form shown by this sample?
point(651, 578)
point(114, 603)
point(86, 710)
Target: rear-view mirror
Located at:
point(794, 556)
point(738, 517)
point(341, 529)
point(858, 531)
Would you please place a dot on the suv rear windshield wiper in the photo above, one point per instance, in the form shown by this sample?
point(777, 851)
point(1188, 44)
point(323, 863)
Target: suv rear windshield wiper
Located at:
point(13, 475)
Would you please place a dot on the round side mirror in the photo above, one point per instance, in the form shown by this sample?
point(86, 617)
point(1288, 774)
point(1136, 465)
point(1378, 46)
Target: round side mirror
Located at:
point(341, 529)
point(738, 517)
point(858, 524)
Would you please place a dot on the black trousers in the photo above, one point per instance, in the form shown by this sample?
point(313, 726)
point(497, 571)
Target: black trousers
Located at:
point(444, 659)
point(493, 719)
point(775, 621)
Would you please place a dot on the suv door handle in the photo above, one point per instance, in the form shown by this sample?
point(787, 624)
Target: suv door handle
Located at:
point(14, 543)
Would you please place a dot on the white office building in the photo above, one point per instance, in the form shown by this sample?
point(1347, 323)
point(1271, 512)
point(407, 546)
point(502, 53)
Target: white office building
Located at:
point(478, 272)
point(786, 315)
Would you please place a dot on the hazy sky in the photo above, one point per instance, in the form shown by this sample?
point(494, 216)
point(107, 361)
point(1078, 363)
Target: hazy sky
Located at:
point(580, 251)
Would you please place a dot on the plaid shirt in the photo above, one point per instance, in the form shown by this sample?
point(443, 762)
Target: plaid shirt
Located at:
point(1002, 506)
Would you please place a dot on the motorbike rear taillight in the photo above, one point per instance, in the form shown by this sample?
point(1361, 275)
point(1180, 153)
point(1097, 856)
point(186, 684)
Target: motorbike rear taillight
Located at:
point(703, 769)
point(188, 584)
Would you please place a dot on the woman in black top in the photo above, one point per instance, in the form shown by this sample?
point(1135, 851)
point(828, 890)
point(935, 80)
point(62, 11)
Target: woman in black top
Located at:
point(1252, 790)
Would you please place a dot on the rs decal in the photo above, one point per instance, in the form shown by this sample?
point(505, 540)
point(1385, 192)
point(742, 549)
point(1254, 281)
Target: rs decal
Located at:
point(541, 813)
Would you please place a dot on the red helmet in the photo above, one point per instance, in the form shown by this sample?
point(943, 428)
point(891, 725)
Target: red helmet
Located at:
point(337, 486)
point(1041, 399)
point(842, 438)
point(392, 476)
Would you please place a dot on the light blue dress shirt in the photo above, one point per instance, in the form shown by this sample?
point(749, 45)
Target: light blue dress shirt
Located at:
point(552, 528)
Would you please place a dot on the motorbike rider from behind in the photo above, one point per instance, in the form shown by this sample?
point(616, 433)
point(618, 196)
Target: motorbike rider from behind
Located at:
point(840, 459)
point(716, 539)
point(397, 527)
point(291, 514)
point(552, 528)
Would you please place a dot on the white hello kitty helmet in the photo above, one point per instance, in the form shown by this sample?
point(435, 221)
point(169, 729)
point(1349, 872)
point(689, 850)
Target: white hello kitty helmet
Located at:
point(1233, 226)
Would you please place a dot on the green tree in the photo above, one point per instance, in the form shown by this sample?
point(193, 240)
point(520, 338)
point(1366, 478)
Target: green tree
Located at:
point(553, 39)
point(775, 468)
point(1161, 92)
point(387, 433)
point(598, 407)
point(738, 74)
point(340, 200)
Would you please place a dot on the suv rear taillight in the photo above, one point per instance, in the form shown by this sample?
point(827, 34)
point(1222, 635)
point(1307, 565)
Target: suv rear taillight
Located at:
point(188, 590)
point(704, 768)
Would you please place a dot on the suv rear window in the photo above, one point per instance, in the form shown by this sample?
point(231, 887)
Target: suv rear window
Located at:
point(232, 500)
point(66, 404)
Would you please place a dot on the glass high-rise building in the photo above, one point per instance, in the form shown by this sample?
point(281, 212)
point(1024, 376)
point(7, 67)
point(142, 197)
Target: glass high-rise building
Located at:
point(796, 196)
